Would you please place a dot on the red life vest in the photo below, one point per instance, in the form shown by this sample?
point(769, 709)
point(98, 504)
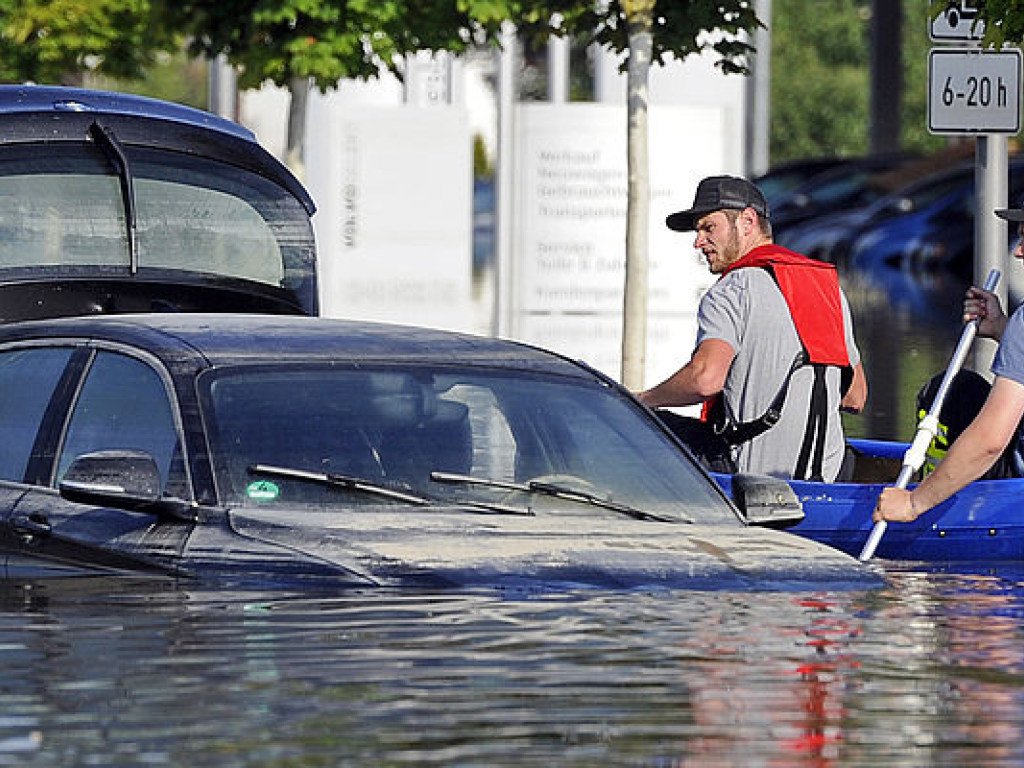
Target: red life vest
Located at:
point(811, 290)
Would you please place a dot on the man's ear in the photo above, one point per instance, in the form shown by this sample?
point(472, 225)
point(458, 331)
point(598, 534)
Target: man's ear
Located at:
point(749, 218)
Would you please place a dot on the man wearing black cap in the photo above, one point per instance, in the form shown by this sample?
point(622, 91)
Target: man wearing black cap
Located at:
point(775, 358)
point(983, 441)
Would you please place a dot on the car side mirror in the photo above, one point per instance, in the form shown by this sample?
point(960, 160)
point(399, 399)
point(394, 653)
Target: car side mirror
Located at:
point(766, 501)
point(123, 479)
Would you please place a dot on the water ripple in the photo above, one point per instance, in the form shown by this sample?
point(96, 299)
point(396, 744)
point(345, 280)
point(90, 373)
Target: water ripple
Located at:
point(926, 672)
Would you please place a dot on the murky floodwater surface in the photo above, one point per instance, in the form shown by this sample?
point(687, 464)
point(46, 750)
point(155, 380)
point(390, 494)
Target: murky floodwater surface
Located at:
point(927, 671)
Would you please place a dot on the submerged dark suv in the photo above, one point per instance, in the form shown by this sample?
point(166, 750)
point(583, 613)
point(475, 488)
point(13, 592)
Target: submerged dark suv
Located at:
point(115, 203)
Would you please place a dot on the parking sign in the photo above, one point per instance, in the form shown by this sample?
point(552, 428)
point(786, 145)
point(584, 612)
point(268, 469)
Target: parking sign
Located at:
point(973, 91)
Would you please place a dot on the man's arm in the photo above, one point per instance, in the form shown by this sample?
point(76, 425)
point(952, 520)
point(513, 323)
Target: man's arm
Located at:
point(855, 397)
point(970, 456)
point(701, 378)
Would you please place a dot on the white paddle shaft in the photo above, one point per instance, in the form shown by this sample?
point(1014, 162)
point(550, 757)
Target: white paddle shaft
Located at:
point(929, 425)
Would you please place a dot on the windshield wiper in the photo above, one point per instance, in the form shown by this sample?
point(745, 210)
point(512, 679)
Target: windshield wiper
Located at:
point(368, 486)
point(558, 491)
point(335, 480)
point(116, 156)
point(485, 507)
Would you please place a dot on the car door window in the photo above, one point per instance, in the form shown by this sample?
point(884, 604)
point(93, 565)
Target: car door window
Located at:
point(123, 404)
point(28, 378)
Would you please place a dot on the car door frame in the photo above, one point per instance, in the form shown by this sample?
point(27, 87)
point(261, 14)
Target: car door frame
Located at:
point(48, 535)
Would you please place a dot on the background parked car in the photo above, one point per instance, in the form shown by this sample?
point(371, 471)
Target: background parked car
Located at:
point(778, 183)
point(906, 212)
point(938, 235)
point(926, 225)
point(853, 184)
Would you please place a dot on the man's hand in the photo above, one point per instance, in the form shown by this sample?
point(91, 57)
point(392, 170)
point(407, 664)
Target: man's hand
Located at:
point(984, 306)
point(895, 505)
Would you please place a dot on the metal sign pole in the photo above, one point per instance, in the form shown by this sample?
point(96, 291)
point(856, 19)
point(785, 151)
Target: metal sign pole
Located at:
point(976, 92)
point(991, 174)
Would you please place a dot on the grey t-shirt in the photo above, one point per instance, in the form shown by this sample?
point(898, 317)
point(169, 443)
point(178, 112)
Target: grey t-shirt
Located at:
point(746, 309)
point(1009, 364)
point(1009, 361)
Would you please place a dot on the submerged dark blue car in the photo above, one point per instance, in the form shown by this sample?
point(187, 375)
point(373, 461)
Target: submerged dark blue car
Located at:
point(170, 405)
point(266, 449)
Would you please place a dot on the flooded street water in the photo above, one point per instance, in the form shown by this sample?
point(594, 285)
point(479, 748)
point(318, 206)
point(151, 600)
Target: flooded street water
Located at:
point(928, 670)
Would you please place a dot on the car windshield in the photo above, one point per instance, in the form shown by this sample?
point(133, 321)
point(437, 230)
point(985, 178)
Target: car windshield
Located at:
point(504, 442)
point(64, 209)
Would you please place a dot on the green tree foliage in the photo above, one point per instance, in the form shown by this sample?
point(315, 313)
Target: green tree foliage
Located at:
point(173, 77)
point(56, 41)
point(1004, 21)
point(323, 40)
point(821, 78)
point(679, 28)
point(328, 40)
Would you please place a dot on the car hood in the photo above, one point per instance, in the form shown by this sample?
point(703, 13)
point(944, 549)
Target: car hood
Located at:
point(415, 547)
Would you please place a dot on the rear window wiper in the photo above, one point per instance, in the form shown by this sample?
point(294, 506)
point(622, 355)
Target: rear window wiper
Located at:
point(336, 480)
point(116, 156)
point(558, 491)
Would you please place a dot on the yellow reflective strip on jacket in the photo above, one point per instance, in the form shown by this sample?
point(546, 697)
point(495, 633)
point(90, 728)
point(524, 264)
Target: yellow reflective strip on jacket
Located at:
point(937, 448)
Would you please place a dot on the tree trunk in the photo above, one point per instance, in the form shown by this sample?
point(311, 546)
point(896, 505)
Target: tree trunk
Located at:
point(639, 17)
point(295, 152)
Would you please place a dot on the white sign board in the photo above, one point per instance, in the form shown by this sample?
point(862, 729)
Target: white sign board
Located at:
point(393, 187)
point(570, 232)
point(957, 22)
point(973, 91)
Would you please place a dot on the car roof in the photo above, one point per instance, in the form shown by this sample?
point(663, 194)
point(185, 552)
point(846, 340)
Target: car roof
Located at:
point(54, 114)
point(223, 338)
point(27, 99)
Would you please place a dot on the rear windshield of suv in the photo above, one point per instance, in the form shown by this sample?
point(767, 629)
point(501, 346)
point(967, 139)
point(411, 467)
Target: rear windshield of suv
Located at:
point(62, 207)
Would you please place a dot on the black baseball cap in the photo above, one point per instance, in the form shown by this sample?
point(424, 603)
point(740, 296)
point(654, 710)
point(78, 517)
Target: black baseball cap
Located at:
point(1011, 214)
point(716, 193)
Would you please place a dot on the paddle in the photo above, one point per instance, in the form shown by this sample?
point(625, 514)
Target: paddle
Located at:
point(929, 425)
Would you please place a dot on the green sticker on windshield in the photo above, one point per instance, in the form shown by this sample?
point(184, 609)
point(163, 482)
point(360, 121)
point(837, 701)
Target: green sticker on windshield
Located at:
point(262, 490)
